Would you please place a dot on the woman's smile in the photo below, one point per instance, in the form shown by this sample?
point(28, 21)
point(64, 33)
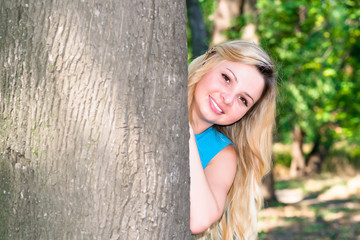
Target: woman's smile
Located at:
point(225, 94)
point(215, 107)
point(231, 103)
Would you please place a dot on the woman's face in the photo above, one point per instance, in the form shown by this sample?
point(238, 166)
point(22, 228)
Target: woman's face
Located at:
point(226, 93)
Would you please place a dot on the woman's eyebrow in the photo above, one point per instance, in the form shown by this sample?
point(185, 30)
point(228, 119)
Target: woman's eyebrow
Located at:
point(237, 81)
point(249, 96)
point(232, 74)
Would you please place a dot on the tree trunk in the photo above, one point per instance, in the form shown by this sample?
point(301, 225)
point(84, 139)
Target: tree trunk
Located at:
point(248, 8)
point(93, 119)
point(318, 153)
point(226, 13)
point(297, 167)
point(314, 161)
point(268, 188)
point(197, 27)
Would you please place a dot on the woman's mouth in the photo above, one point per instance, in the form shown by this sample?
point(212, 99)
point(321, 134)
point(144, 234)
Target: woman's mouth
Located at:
point(215, 107)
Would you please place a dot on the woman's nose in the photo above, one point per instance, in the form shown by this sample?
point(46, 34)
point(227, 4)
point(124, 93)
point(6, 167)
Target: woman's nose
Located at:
point(228, 98)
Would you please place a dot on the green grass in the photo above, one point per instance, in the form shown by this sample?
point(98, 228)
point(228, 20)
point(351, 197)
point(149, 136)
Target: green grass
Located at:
point(319, 220)
point(284, 184)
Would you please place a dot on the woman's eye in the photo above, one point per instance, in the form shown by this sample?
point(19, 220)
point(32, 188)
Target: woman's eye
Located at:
point(243, 100)
point(226, 78)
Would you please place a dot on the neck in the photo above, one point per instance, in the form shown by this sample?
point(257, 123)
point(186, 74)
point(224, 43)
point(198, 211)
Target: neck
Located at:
point(198, 125)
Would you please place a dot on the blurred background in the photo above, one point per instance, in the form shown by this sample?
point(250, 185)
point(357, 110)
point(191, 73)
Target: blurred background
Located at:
point(313, 191)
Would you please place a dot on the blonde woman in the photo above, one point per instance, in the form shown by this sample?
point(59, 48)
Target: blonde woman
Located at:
point(231, 95)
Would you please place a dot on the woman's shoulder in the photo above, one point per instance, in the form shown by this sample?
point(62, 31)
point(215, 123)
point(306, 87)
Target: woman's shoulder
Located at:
point(210, 144)
point(221, 170)
point(227, 156)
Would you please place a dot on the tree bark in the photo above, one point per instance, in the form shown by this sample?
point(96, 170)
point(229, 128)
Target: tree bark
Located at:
point(197, 27)
point(93, 119)
point(297, 167)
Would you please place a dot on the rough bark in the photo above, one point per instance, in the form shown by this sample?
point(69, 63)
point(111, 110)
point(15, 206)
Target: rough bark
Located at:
point(197, 28)
point(93, 120)
point(297, 167)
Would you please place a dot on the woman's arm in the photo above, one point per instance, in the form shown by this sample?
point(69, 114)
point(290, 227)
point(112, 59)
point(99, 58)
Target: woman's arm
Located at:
point(208, 189)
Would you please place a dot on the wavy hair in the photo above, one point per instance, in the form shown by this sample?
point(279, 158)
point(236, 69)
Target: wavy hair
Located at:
point(251, 136)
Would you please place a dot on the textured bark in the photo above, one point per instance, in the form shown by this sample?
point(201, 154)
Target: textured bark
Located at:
point(297, 167)
point(93, 120)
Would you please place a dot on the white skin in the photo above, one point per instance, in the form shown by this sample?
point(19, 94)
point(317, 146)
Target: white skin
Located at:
point(222, 97)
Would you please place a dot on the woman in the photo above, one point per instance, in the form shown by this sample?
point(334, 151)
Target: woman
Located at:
point(231, 95)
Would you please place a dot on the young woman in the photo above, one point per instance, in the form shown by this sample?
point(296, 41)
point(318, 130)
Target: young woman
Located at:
point(231, 95)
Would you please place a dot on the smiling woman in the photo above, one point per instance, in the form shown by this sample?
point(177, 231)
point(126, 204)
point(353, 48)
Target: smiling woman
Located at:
point(231, 96)
point(225, 94)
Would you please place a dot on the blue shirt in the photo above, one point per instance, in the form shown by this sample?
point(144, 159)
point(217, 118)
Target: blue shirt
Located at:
point(209, 143)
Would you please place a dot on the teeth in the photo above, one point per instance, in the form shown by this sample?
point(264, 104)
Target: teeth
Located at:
point(216, 106)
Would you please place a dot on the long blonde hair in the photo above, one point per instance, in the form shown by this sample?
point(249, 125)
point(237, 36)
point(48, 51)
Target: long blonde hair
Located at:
point(251, 136)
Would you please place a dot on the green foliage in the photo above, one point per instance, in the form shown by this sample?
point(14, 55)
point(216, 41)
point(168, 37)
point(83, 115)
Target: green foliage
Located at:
point(283, 158)
point(208, 8)
point(316, 49)
point(314, 44)
point(296, 183)
point(235, 31)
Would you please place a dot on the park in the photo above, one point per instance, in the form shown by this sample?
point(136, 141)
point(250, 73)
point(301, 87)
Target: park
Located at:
point(94, 118)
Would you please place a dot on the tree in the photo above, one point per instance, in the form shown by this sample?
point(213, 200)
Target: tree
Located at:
point(234, 17)
point(315, 42)
point(197, 28)
point(93, 120)
point(297, 167)
point(268, 188)
point(225, 14)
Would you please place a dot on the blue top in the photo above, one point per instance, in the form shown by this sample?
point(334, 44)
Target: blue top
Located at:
point(209, 143)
